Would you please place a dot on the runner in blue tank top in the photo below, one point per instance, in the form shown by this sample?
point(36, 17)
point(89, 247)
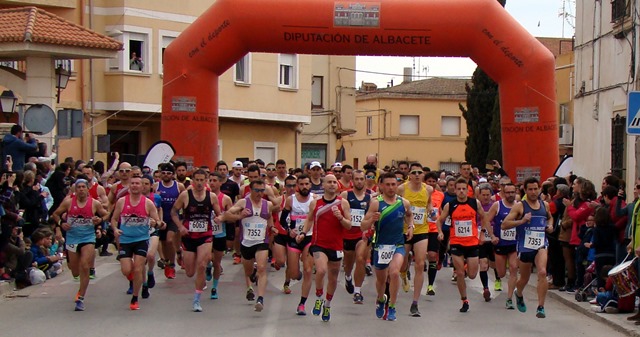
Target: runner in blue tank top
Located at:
point(505, 249)
point(388, 212)
point(532, 220)
point(169, 189)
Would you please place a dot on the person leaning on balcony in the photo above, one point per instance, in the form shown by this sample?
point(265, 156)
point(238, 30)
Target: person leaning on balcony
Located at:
point(17, 148)
point(136, 62)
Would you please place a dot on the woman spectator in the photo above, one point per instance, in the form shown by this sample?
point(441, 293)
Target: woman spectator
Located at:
point(578, 210)
point(621, 250)
point(556, 261)
point(603, 241)
point(56, 185)
point(31, 201)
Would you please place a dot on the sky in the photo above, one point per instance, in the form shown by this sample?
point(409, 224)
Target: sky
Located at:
point(540, 17)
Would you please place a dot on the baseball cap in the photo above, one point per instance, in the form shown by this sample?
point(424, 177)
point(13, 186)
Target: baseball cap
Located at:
point(237, 163)
point(482, 180)
point(336, 165)
point(315, 164)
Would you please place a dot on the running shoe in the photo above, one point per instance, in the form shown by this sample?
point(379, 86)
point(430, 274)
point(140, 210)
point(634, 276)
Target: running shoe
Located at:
point(169, 272)
point(250, 295)
point(317, 308)
point(391, 316)
point(208, 273)
point(286, 289)
point(348, 284)
point(414, 310)
point(254, 277)
point(92, 273)
point(571, 290)
point(497, 285)
point(79, 305)
point(357, 298)
point(161, 264)
point(259, 305)
point(368, 270)
point(405, 282)
point(540, 312)
point(380, 307)
point(326, 314)
point(151, 280)
point(509, 304)
point(134, 305)
point(430, 291)
point(76, 278)
point(465, 306)
point(454, 277)
point(300, 311)
point(486, 294)
point(520, 303)
point(179, 259)
point(145, 292)
point(214, 294)
point(196, 306)
point(236, 259)
point(130, 290)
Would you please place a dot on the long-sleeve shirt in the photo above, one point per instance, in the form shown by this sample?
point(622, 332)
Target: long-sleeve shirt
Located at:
point(579, 217)
point(628, 212)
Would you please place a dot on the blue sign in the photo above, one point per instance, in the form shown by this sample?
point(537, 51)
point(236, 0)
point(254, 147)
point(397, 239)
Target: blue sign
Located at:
point(633, 117)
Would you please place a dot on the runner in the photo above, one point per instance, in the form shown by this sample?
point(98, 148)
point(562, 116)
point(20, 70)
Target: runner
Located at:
point(237, 176)
point(169, 190)
point(219, 232)
point(505, 249)
point(464, 212)
point(80, 239)
point(149, 279)
point(433, 247)
point(358, 199)
point(327, 217)
point(232, 189)
point(296, 208)
point(389, 212)
point(486, 255)
point(96, 192)
point(255, 215)
point(281, 238)
point(135, 214)
point(315, 173)
point(196, 228)
point(181, 174)
point(346, 181)
point(281, 171)
point(121, 188)
point(532, 220)
point(418, 195)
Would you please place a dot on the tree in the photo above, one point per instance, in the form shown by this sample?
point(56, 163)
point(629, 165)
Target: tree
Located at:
point(482, 114)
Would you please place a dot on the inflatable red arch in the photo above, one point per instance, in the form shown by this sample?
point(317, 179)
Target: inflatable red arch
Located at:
point(479, 29)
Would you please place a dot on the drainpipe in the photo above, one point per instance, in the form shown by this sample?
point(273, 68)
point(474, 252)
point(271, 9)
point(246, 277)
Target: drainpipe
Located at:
point(91, 88)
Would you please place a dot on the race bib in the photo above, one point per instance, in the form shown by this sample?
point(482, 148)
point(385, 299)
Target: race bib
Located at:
point(385, 253)
point(198, 226)
point(485, 236)
point(463, 228)
point(508, 234)
point(339, 254)
point(433, 215)
point(533, 240)
point(418, 215)
point(447, 222)
point(254, 232)
point(71, 247)
point(79, 222)
point(217, 228)
point(356, 217)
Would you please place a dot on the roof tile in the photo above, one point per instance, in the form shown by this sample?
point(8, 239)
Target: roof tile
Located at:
point(434, 88)
point(35, 25)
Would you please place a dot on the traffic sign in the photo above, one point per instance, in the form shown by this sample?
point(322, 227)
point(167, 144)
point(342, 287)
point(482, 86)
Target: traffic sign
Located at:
point(633, 117)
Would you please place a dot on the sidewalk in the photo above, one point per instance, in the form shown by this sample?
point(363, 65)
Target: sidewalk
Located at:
point(616, 321)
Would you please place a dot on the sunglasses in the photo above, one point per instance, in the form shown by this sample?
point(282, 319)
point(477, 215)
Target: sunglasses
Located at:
point(270, 169)
point(399, 179)
point(258, 190)
point(371, 177)
point(337, 171)
point(416, 172)
point(290, 185)
point(166, 172)
point(125, 171)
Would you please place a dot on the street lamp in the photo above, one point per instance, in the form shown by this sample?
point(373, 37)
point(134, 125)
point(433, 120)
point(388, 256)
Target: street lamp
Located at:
point(62, 78)
point(8, 103)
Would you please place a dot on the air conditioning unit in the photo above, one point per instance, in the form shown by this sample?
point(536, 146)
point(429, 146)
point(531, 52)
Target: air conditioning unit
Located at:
point(566, 134)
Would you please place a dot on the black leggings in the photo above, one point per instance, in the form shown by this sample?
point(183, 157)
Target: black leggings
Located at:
point(600, 263)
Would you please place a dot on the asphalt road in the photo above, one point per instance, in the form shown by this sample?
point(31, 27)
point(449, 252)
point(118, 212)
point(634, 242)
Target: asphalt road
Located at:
point(47, 310)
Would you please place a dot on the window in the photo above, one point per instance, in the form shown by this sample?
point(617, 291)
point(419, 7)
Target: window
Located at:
point(369, 125)
point(316, 92)
point(450, 126)
point(619, 10)
point(564, 114)
point(65, 64)
point(266, 151)
point(409, 125)
point(450, 166)
point(288, 71)
point(164, 43)
point(136, 41)
point(242, 73)
point(618, 136)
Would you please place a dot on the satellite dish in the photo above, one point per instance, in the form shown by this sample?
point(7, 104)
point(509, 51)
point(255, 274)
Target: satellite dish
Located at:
point(39, 118)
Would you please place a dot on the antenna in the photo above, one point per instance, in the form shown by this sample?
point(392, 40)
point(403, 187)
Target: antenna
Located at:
point(566, 13)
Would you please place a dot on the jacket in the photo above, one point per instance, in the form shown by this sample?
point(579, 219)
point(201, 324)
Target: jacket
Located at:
point(17, 149)
point(579, 217)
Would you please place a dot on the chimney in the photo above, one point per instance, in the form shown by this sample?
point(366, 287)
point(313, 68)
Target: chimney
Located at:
point(407, 75)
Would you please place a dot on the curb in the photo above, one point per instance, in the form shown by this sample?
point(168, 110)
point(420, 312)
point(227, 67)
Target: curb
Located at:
point(6, 288)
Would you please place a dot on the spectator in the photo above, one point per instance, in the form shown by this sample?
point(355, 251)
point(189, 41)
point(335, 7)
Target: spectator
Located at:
point(136, 62)
point(14, 146)
point(57, 186)
point(31, 201)
point(17, 256)
point(621, 250)
point(604, 240)
point(41, 242)
point(578, 210)
point(555, 263)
